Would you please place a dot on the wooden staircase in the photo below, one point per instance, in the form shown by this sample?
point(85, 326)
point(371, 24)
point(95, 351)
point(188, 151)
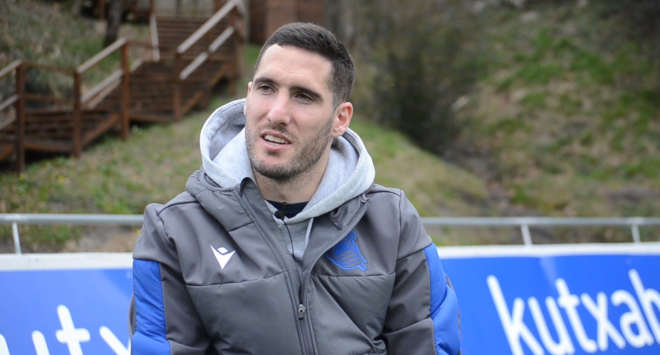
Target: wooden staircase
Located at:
point(189, 56)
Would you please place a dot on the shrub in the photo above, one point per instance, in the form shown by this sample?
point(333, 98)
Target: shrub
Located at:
point(425, 55)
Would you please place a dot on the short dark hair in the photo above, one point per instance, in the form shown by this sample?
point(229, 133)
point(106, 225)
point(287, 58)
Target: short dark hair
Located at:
point(316, 39)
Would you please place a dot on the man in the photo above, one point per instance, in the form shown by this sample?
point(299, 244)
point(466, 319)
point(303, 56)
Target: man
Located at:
point(282, 244)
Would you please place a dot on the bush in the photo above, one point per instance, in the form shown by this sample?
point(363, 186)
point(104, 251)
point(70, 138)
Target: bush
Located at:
point(425, 55)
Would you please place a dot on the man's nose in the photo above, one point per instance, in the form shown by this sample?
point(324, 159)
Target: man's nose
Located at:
point(280, 110)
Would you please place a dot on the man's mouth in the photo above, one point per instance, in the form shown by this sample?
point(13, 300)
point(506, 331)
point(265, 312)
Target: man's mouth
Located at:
point(275, 140)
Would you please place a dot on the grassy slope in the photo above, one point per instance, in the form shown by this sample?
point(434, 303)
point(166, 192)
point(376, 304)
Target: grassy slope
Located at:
point(155, 161)
point(569, 119)
point(47, 33)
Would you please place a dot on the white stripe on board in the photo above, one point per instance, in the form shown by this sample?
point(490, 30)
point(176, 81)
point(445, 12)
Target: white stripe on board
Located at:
point(487, 251)
point(24, 262)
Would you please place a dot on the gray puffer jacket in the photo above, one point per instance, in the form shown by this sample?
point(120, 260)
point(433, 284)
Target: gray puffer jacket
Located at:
point(214, 273)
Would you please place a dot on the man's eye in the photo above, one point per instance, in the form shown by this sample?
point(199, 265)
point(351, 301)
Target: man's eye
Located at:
point(265, 88)
point(304, 97)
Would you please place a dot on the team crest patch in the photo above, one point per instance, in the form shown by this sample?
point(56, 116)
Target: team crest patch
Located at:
point(347, 254)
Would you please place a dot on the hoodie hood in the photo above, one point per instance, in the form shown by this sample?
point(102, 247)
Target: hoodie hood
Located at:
point(349, 173)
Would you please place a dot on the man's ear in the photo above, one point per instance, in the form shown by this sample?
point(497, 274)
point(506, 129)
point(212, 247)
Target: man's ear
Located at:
point(343, 115)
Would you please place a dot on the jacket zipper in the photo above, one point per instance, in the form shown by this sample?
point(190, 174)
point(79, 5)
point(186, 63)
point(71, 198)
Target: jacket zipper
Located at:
point(290, 282)
point(307, 326)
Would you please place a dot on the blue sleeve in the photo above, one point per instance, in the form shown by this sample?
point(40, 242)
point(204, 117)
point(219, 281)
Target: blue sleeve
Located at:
point(163, 317)
point(150, 334)
point(444, 306)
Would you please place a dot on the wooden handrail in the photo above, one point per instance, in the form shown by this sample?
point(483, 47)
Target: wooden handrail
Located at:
point(154, 34)
point(207, 26)
point(8, 69)
point(100, 87)
point(241, 8)
point(224, 36)
point(10, 101)
point(101, 55)
point(202, 57)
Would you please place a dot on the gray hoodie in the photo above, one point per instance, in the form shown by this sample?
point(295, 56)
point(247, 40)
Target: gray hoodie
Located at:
point(349, 172)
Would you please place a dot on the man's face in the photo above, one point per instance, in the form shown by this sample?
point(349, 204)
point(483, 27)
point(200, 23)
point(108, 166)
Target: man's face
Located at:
point(290, 117)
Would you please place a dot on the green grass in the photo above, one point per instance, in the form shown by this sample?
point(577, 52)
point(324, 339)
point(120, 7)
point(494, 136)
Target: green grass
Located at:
point(47, 33)
point(433, 186)
point(570, 116)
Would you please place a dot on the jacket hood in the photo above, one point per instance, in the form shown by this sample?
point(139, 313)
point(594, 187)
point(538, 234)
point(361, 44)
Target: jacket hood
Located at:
point(349, 173)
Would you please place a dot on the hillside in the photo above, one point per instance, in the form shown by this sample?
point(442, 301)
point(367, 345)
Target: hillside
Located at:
point(567, 122)
point(561, 116)
point(48, 33)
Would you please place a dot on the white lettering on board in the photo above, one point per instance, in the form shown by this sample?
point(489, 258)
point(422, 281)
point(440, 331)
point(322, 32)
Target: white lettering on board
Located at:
point(605, 328)
point(634, 317)
point(514, 328)
point(114, 343)
point(69, 335)
point(648, 298)
point(569, 303)
point(39, 342)
point(564, 345)
point(633, 329)
point(4, 350)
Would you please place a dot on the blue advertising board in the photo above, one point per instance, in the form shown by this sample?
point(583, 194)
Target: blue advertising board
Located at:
point(65, 304)
point(570, 299)
point(587, 299)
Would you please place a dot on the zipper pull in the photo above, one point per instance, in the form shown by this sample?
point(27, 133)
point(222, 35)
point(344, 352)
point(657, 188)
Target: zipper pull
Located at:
point(301, 311)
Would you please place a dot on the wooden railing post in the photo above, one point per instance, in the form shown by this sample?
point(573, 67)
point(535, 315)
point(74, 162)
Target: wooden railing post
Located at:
point(20, 119)
point(77, 116)
point(102, 9)
point(232, 80)
point(176, 99)
point(125, 92)
point(151, 7)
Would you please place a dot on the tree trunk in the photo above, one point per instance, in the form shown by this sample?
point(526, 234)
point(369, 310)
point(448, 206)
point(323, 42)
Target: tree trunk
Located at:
point(114, 20)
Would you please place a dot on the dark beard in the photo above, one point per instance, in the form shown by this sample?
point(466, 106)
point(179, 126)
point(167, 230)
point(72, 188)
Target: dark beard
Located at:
point(306, 157)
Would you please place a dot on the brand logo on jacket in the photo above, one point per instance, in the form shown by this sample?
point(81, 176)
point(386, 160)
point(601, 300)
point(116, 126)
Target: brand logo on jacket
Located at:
point(346, 254)
point(222, 255)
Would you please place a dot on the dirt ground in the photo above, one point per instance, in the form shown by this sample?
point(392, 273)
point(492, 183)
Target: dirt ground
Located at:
point(106, 239)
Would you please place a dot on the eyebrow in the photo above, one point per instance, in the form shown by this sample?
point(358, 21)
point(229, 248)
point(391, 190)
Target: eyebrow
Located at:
point(315, 95)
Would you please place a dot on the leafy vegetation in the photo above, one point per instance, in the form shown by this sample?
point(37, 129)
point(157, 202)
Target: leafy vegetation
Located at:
point(568, 120)
point(422, 57)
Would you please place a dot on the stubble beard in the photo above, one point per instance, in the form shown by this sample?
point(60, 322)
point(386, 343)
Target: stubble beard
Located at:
point(305, 158)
